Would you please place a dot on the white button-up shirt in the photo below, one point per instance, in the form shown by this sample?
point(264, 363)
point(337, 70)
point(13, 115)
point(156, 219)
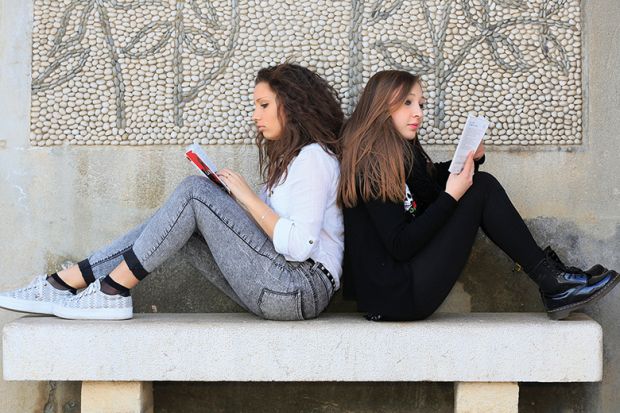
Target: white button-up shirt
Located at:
point(310, 224)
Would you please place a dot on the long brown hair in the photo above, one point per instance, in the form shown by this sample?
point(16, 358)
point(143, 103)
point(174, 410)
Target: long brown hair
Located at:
point(309, 111)
point(375, 157)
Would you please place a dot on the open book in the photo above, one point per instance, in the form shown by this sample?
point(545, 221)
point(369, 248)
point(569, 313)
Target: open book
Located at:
point(470, 139)
point(196, 155)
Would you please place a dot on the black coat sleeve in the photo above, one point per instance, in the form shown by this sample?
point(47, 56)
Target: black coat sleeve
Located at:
point(478, 162)
point(404, 235)
point(442, 173)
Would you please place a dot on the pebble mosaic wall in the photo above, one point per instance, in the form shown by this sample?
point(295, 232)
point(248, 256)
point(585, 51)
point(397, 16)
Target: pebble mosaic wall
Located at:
point(144, 72)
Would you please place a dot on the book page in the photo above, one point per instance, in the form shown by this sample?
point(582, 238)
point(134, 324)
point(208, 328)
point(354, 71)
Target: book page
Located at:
point(199, 158)
point(475, 128)
point(197, 149)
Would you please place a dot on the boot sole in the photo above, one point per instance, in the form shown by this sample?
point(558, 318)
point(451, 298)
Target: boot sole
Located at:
point(563, 312)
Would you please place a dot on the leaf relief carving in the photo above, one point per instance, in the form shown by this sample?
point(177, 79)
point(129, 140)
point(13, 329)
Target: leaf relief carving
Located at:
point(506, 53)
point(72, 27)
point(476, 12)
point(201, 43)
point(65, 67)
point(394, 51)
point(381, 9)
point(149, 39)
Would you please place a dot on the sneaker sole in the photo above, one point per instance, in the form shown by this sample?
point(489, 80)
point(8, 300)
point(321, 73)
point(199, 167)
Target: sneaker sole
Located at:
point(563, 312)
point(27, 306)
point(93, 314)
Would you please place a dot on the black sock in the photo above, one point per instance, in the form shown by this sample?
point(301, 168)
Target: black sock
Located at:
point(57, 282)
point(111, 287)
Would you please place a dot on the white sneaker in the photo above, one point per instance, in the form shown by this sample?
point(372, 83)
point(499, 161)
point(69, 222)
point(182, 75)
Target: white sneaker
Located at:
point(92, 304)
point(38, 297)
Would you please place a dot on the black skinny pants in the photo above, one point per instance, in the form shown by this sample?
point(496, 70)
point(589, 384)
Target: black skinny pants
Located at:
point(438, 265)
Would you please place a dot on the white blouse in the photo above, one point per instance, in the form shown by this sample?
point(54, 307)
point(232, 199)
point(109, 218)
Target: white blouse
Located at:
point(310, 224)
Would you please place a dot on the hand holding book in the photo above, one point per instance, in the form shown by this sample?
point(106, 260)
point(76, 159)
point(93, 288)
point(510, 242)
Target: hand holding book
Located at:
point(197, 156)
point(479, 152)
point(237, 187)
point(459, 183)
point(470, 140)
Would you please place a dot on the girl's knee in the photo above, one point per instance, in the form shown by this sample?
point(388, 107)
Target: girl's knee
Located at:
point(483, 176)
point(191, 181)
point(194, 185)
point(486, 180)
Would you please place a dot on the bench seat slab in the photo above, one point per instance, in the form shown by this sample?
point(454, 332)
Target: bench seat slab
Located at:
point(475, 347)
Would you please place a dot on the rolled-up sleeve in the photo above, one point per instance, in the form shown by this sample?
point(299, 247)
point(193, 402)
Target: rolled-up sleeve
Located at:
point(310, 179)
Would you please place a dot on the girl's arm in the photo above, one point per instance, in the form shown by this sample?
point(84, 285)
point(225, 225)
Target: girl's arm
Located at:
point(310, 187)
point(311, 177)
point(441, 168)
point(403, 236)
point(264, 216)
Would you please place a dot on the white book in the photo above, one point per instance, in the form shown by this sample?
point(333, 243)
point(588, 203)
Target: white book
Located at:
point(473, 132)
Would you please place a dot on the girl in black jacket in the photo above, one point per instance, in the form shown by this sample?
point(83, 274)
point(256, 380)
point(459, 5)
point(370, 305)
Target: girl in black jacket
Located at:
point(410, 224)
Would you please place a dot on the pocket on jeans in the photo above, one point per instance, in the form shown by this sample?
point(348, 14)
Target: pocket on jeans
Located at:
point(280, 306)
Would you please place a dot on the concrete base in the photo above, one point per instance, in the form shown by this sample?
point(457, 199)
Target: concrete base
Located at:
point(117, 397)
point(486, 397)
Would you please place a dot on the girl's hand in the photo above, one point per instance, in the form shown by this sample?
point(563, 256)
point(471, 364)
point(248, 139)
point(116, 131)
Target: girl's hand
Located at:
point(479, 152)
point(239, 188)
point(263, 215)
point(458, 184)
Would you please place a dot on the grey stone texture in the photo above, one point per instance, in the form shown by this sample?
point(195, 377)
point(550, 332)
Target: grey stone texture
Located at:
point(58, 203)
point(467, 347)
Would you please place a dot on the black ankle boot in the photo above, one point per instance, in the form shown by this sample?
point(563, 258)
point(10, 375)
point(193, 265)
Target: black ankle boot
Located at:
point(595, 273)
point(565, 289)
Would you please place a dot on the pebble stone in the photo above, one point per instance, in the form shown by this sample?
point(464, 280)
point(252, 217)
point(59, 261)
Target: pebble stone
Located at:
point(177, 72)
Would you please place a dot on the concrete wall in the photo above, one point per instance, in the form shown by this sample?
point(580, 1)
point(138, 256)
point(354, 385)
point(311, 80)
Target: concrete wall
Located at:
point(59, 203)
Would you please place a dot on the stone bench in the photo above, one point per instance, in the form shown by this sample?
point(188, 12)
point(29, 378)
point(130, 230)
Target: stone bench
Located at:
point(485, 354)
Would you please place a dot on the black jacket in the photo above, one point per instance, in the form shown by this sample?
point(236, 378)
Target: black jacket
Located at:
point(381, 238)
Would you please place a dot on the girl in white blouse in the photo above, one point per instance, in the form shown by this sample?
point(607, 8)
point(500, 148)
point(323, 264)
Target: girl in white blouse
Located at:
point(279, 254)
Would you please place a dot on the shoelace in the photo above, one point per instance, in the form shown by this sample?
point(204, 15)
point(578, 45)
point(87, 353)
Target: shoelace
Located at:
point(39, 282)
point(36, 284)
point(91, 289)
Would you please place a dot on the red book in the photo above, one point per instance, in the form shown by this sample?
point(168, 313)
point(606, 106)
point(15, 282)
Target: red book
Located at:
point(199, 158)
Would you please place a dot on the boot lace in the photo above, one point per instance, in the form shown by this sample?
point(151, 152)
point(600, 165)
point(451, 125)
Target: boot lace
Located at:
point(554, 257)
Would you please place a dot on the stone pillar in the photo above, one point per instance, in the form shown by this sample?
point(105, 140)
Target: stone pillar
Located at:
point(117, 397)
point(486, 397)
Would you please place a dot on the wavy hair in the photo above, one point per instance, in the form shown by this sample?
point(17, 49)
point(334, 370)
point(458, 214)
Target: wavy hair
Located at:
point(376, 159)
point(309, 111)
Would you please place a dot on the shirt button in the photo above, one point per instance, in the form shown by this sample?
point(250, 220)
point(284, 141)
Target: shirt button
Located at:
point(311, 242)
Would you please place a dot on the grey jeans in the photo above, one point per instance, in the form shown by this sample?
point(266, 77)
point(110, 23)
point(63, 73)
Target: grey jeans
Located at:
point(202, 221)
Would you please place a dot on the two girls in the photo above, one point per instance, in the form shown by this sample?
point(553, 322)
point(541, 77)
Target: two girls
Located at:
point(409, 223)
